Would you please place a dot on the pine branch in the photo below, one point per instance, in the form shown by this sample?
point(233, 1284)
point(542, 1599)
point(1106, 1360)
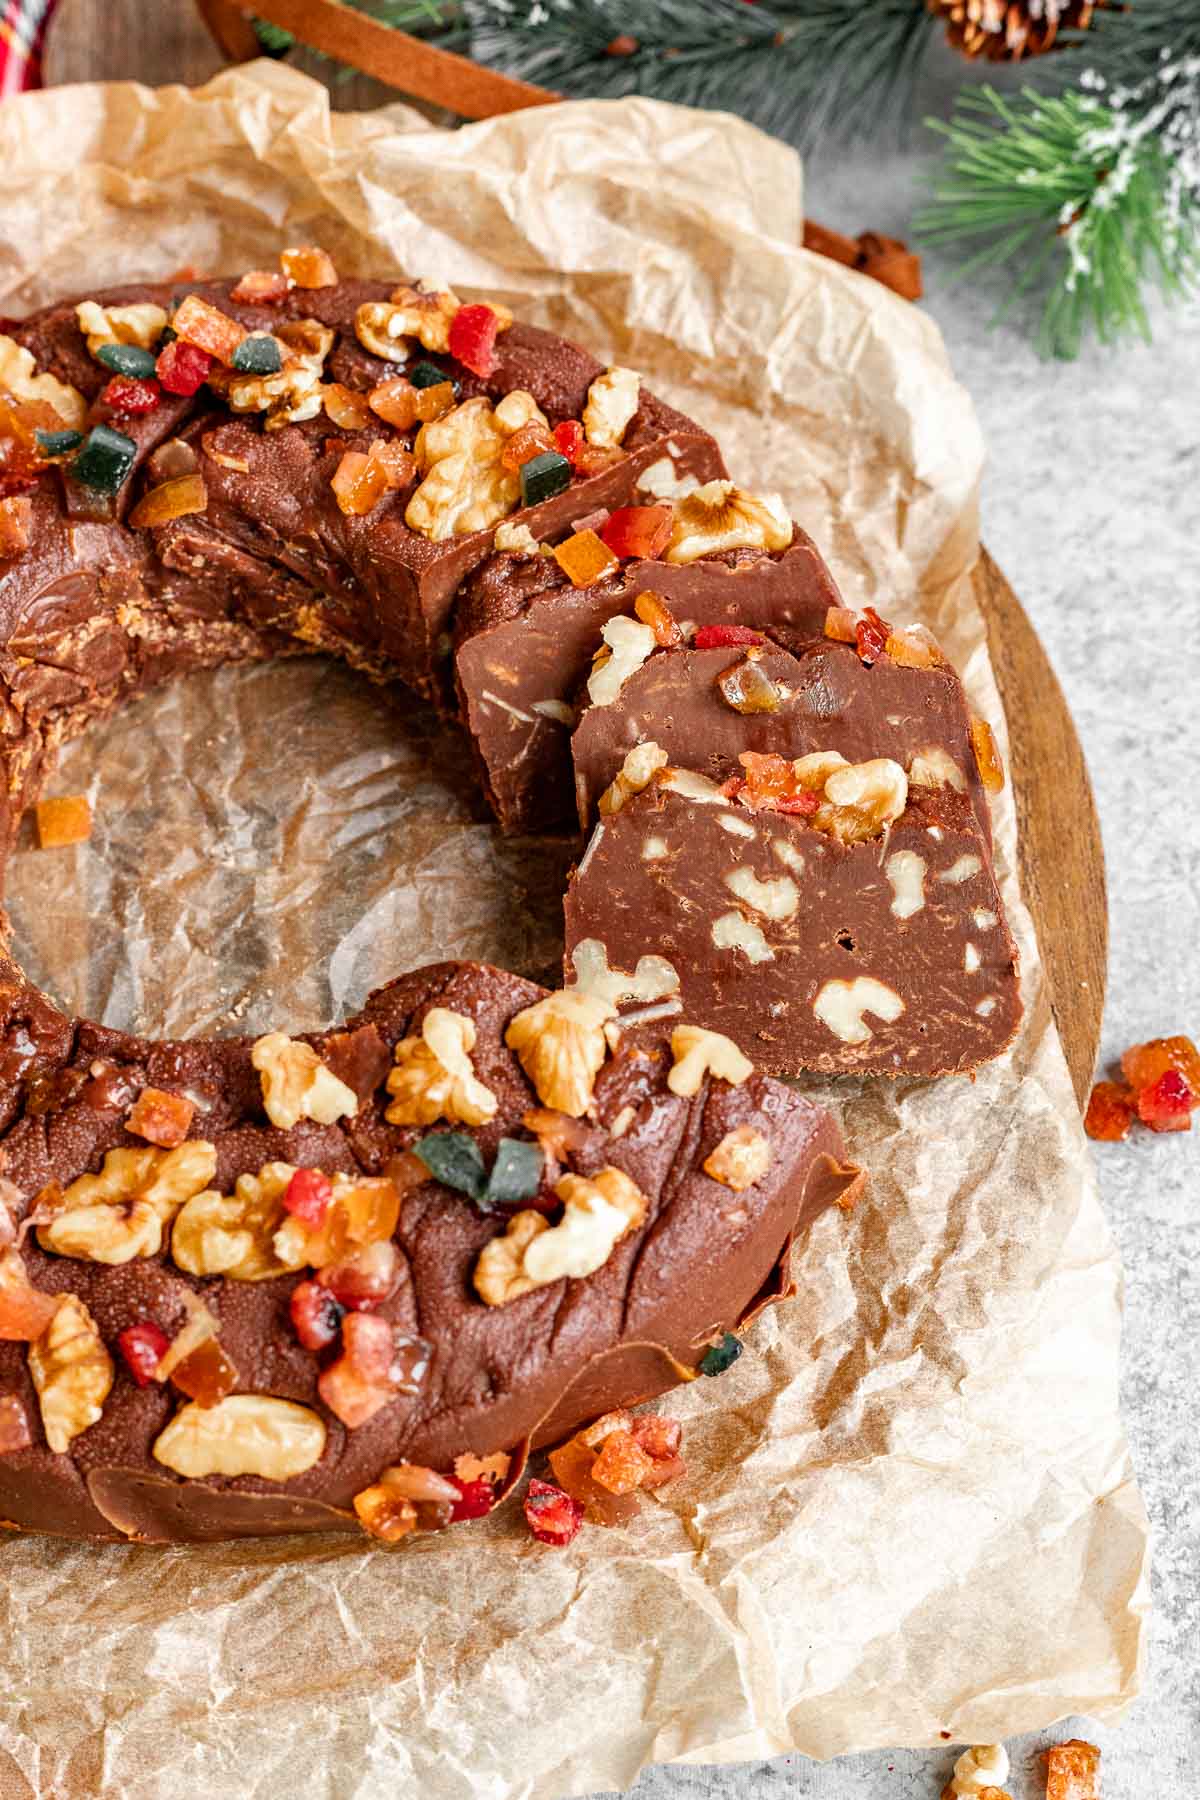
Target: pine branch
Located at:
point(1088, 193)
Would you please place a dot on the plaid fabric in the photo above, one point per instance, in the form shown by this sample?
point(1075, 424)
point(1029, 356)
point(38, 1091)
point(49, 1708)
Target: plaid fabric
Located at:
point(22, 33)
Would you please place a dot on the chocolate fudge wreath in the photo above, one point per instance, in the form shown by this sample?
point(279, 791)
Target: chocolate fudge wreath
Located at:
point(353, 1278)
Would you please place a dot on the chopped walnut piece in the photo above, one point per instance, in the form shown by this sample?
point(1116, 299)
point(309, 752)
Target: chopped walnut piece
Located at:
point(244, 1434)
point(383, 326)
point(638, 770)
point(935, 767)
point(233, 1234)
point(561, 1044)
point(841, 1006)
point(466, 486)
point(161, 1118)
point(698, 1053)
point(72, 1372)
point(611, 404)
point(1073, 1771)
point(516, 540)
point(741, 1159)
point(532, 1253)
point(19, 378)
point(141, 324)
point(67, 819)
point(121, 1213)
point(861, 799)
point(627, 644)
point(296, 1084)
point(434, 1078)
point(720, 516)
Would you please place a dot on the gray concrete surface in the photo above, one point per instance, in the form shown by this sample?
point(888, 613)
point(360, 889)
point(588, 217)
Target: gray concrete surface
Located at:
point(1092, 508)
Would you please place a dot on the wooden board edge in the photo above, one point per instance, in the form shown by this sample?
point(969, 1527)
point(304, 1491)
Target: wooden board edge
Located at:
point(1060, 850)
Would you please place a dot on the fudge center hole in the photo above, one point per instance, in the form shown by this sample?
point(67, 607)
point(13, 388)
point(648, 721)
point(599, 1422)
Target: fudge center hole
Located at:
point(269, 843)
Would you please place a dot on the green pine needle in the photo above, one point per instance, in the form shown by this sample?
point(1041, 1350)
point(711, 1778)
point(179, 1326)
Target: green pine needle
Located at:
point(1072, 189)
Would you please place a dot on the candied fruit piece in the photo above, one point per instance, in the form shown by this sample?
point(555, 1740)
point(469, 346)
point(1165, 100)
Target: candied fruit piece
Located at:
point(475, 1499)
point(196, 322)
point(360, 1214)
point(170, 500)
point(143, 1346)
point(16, 519)
point(125, 394)
point(1166, 1105)
point(544, 476)
point(571, 1465)
point(721, 1356)
point(14, 1426)
point(105, 460)
point(183, 368)
point(397, 462)
point(206, 1375)
point(377, 1363)
point(594, 459)
point(473, 338)
point(58, 443)
point(749, 689)
point(1073, 1771)
point(642, 531)
point(987, 757)
point(306, 266)
point(569, 439)
point(425, 374)
point(433, 401)
point(659, 1437)
point(1110, 1111)
point(419, 1484)
point(585, 559)
point(725, 637)
point(316, 1315)
point(384, 1514)
point(308, 1195)
point(128, 360)
point(871, 634)
point(621, 1464)
point(64, 820)
point(914, 649)
point(25, 1311)
point(361, 480)
point(258, 354)
point(1142, 1064)
point(395, 401)
point(365, 1279)
point(552, 1516)
point(261, 287)
point(841, 624)
point(530, 440)
point(771, 782)
point(346, 408)
point(653, 611)
point(161, 1118)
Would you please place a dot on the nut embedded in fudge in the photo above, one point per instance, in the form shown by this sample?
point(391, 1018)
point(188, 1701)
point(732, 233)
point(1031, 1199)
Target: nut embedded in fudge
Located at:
point(525, 640)
point(704, 707)
point(859, 930)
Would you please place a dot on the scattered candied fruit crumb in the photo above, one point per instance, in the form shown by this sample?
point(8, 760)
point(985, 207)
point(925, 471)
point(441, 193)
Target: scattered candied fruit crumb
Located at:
point(161, 1118)
point(653, 611)
point(306, 266)
point(987, 757)
point(584, 559)
point(552, 1516)
point(1110, 1112)
point(1073, 1771)
point(871, 634)
point(62, 821)
point(1142, 1064)
point(1161, 1088)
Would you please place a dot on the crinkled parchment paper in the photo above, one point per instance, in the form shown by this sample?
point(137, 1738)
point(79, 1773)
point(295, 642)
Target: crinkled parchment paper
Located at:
point(909, 1508)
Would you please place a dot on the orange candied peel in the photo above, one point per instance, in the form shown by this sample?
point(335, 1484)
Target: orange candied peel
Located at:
point(914, 649)
point(841, 623)
point(1144, 1064)
point(606, 1465)
point(987, 757)
point(529, 441)
point(206, 1375)
point(653, 611)
point(396, 401)
point(385, 1515)
point(16, 522)
point(160, 1117)
point(362, 1213)
point(307, 266)
point(171, 500)
point(1110, 1112)
point(64, 820)
point(361, 479)
point(1161, 1088)
point(347, 409)
point(198, 323)
point(585, 559)
point(434, 402)
point(1073, 1771)
point(261, 287)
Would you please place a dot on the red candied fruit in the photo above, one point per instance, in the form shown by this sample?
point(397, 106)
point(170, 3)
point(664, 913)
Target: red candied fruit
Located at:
point(475, 1499)
point(638, 530)
point(364, 1279)
point(377, 1363)
point(143, 1346)
point(725, 637)
point(14, 1425)
point(1143, 1064)
point(473, 338)
point(129, 394)
point(1110, 1112)
point(1166, 1105)
point(183, 368)
point(552, 1516)
point(316, 1315)
point(871, 635)
point(568, 439)
point(308, 1195)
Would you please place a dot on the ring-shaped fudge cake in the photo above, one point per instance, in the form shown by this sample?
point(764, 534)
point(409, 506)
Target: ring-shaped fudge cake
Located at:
point(351, 1278)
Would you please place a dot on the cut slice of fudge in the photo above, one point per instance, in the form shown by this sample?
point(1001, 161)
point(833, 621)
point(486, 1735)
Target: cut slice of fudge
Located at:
point(526, 638)
point(858, 930)
point(703, 707)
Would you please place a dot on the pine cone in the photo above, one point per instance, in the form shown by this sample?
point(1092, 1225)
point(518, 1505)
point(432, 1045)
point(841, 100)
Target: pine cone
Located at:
point(1007, 30)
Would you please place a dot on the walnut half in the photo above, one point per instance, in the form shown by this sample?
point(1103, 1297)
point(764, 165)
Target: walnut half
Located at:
point(233, 1234)
point(561, 1044)
point(434, 1078)
point(296, 1084)
point(244, 1434)
point(72, 1372)
point(532, 1253)
point(121, 1213)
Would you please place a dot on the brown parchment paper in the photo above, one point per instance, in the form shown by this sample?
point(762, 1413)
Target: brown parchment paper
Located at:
point(909, 1509)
